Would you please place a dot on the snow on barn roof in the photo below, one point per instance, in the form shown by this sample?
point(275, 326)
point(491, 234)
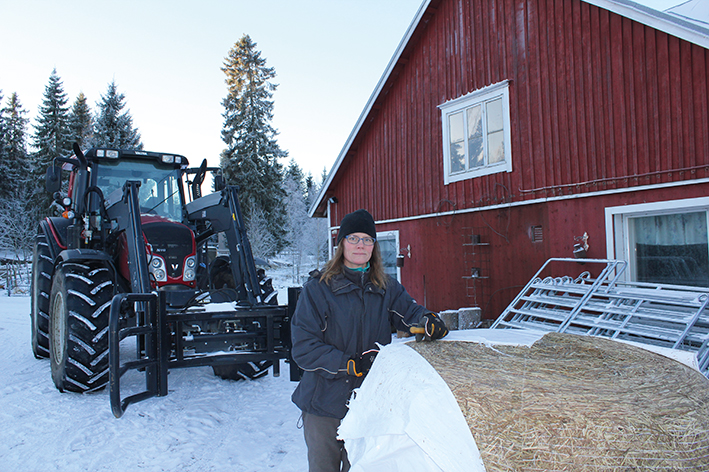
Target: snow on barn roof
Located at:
point(688, 20)
point(695, 11)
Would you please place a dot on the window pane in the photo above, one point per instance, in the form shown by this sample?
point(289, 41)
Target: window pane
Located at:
point(475, 122)
point(496, 147)
point(672, 249)
point(494, 115)
point(475, 147)
point(387, 246)
point(457, 158)
point(457, 142)
point(475, 137)
point(456, 127)
point(159, 190)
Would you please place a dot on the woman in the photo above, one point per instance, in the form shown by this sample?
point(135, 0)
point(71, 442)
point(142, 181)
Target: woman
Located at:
point(342, 314)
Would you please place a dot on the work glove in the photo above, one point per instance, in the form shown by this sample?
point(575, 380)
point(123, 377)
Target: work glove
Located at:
point(358, 366)
point(433, 326)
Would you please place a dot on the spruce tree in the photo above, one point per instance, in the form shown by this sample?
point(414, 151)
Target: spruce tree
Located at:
point(51, 138)
point(81, 122)
point(4, 163)
point(15, 164)
point(112, 128)
point(251, 157)
point(294, 172)
point(18, 216)
point(311, 190)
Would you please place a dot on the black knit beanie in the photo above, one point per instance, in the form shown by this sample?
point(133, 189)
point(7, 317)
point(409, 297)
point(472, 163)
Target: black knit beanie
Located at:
point(359, 221)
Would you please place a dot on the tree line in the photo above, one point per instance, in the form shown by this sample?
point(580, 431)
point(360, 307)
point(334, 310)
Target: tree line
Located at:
point(274, 197)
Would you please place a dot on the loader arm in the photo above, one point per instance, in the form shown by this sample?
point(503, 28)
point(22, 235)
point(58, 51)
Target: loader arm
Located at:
point(223, 212)
point(126, 213)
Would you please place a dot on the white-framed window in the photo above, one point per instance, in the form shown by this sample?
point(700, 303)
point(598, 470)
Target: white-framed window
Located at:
point(663, 242)
point(476, 133)
point(389, 247)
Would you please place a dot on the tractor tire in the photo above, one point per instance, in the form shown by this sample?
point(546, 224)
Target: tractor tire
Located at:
point(269, 294)
point(41, 289)
point(78, 326)
point(221, 278)
point(250, 370)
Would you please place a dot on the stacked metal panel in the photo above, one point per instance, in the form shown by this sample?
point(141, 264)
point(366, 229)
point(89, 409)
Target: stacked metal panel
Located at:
point(602, 305)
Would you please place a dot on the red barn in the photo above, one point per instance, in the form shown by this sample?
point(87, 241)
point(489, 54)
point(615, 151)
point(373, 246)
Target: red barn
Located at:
point(506, 132)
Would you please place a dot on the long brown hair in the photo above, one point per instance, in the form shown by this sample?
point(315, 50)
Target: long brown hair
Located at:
point(336, 265)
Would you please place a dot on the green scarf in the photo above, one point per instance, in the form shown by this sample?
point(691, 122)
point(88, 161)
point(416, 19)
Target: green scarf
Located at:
point(362, 269)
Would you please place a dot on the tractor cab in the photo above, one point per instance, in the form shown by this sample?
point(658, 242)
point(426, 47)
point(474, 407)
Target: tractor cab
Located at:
point(160, 177)
point(160, 190)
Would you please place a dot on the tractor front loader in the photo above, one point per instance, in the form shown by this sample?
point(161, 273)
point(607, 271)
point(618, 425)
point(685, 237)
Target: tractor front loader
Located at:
point(131, 258)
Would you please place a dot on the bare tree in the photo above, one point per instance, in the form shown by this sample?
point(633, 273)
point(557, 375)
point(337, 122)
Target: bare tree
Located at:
point(306, 236)
point(262, 241)
point(295, 224)
point(17, 232)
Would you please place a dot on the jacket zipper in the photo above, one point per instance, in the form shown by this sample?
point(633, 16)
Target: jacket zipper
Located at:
point(360, 338)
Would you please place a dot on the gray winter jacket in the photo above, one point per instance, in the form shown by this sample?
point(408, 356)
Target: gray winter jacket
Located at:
point(335, 322)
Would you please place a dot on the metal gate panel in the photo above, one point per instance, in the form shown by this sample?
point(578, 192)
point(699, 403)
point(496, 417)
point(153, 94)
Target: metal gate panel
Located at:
point(669, 316)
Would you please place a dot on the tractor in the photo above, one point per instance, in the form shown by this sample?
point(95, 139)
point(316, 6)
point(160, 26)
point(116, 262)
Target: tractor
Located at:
point(138, 252)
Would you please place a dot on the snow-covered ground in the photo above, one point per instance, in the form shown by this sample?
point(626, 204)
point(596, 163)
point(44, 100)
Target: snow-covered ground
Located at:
point(203, 424)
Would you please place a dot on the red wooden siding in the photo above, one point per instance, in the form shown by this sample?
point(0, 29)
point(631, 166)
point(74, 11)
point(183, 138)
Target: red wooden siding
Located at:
point(597, 102)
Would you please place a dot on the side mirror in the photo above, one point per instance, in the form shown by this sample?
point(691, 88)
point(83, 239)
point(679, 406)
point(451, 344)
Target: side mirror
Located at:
point(198, 179)
point(80, 156)
point(219, 183)
point(53, 180)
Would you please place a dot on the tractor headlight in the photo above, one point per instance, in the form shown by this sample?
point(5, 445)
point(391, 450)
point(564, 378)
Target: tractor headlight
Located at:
point(189, 273)
point(111, 153)
point(157, 268)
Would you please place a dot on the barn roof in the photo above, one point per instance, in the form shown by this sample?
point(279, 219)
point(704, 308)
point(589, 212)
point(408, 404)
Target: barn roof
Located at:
point(688, 21)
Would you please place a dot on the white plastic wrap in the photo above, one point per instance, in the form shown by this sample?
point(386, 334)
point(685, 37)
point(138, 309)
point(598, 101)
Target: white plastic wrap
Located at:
point(405, 418)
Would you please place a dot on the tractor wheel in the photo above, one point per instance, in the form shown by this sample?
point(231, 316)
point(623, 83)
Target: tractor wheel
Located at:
point(78, 326)
point(220, 274)
point(251, 370)
point(221, 277)
point(269, 294)
point(42, 271)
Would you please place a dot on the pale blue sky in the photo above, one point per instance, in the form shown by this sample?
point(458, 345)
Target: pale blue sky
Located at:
point(165, 56)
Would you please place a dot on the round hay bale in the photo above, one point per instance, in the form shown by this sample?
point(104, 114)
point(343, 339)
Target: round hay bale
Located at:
point(577, 403)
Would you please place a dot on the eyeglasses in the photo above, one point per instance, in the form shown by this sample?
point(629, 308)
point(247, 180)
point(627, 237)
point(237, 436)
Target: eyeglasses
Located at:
point(352, 239)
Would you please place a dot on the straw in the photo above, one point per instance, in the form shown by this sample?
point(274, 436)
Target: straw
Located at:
point(577, 403)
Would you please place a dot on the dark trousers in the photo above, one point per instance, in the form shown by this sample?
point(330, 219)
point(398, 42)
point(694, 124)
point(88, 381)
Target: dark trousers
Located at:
point(325, 452)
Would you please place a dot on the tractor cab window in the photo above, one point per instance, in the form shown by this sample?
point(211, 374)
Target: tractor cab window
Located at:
point(159, 192)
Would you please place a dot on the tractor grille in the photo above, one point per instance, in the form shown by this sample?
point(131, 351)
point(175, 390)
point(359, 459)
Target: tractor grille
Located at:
point(173, 242)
